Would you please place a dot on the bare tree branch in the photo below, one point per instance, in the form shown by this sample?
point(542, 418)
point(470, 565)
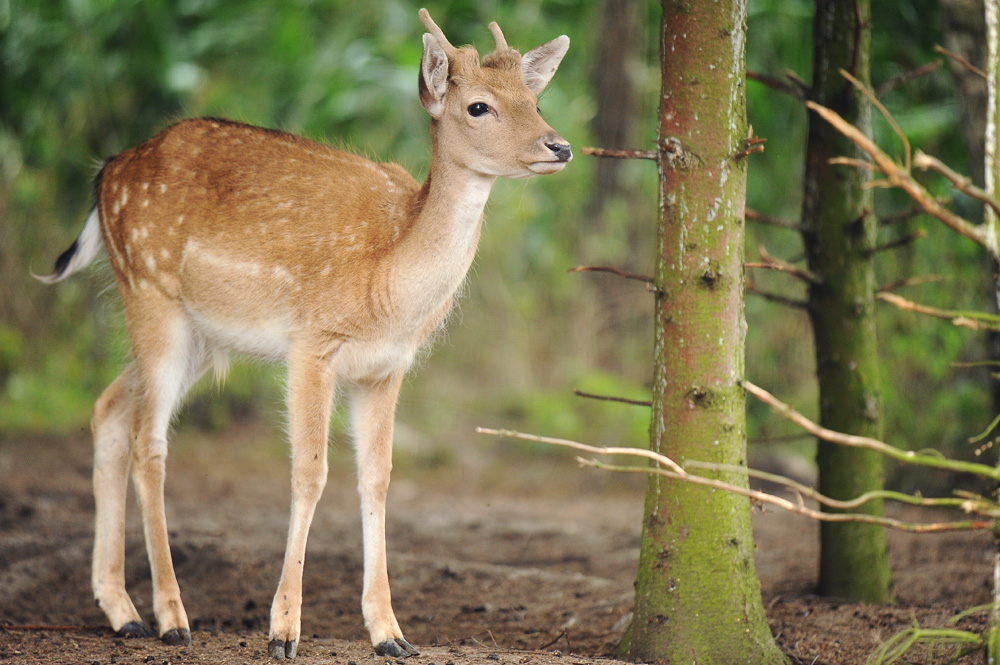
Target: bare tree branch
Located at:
point(908, 456)
point(900, 242)
point(638, 452)
point(771, 263)
point(909, 213)
point(925, 162)
point(613, 398)
point(909, 281)
point(614, 271)
point(670, 469)
point(770, 220)
point(905, 77)
point(976, 504)
point(971, 320)
point(620, 154)
point(775, 298)
point(961, 61)
point(863, 89)
point(793, 87)
point(903, 180)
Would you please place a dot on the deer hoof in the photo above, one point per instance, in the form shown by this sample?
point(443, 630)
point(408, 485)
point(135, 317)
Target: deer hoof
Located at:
point(280, 649)
point(135, 629)
point(177, 637)
point(396, 648)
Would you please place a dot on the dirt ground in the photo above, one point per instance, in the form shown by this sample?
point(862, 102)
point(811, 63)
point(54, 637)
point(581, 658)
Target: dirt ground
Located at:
point(495, 554)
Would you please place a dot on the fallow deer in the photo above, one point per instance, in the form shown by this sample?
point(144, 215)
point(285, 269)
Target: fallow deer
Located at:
point(226, 237)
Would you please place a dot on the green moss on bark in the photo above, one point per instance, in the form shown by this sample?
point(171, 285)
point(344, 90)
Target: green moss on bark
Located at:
point(697, 592)
point(839, 233)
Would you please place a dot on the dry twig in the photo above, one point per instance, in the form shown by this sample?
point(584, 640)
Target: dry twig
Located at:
point(905, 77)
point(794, 86)
point(772, 263)
point(855, 441)
point(925, 162)
point(613, 398)
point(670, 469)
point(971, 320)
point(775, 298)
point(620, 154)
point(897, 177)
point(614, 271)
point(770, 220)
point(899, 242)
point(961, 61)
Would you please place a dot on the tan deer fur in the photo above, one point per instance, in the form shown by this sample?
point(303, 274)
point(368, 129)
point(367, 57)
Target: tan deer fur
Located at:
point(226, 237)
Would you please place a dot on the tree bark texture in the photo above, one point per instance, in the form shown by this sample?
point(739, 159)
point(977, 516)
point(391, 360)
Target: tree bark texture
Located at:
point(697, 593)
point(839, 231)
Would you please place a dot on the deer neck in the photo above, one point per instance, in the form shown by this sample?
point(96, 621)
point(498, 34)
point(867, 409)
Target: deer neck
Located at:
point(436, 253)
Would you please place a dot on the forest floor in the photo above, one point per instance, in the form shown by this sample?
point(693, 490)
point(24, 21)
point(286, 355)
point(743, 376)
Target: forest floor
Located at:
point(496, 553)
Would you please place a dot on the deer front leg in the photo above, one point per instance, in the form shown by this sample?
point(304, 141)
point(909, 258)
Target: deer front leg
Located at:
point(373, 411)
point(311, 382)
point(110, 425)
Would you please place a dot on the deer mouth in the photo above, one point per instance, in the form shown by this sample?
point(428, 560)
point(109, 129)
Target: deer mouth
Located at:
point(547, 167)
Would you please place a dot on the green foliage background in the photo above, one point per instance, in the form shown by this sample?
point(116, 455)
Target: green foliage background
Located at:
point(83, 79)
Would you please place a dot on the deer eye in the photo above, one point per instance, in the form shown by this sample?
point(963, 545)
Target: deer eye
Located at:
point(478, 109)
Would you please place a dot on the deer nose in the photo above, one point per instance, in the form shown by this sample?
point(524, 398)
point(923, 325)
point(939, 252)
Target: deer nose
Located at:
point(562, 151)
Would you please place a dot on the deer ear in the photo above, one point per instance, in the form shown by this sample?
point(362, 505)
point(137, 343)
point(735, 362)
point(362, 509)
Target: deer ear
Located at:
point(539, 65)
point(433, 76)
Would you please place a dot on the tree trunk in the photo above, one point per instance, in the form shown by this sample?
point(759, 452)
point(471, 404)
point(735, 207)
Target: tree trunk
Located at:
point(839, 233)
point(609, 213)
point(697, 594)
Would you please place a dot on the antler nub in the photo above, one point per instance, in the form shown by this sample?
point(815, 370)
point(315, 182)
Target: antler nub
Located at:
point(498, 36)
point(433, 28)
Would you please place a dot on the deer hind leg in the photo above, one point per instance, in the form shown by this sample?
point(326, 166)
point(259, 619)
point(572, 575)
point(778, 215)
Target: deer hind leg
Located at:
point(168, 360)
point(311, 383)
point(110, 425)
point(373, 413)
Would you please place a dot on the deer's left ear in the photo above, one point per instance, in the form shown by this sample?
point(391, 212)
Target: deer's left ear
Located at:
point(539, 65)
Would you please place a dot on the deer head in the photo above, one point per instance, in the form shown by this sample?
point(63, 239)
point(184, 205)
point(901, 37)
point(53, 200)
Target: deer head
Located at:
point(485, 115)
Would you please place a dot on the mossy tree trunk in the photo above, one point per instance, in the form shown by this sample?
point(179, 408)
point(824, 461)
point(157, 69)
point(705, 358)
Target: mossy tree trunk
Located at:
point(839, 233)
point(697, 593)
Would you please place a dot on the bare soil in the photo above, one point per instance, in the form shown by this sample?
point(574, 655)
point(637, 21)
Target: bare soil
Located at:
point(495, 554)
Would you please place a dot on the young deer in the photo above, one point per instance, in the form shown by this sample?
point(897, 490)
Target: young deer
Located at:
point(227, 237)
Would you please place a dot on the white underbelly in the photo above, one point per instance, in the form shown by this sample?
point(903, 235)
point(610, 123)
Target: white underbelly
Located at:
point(268, 338)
